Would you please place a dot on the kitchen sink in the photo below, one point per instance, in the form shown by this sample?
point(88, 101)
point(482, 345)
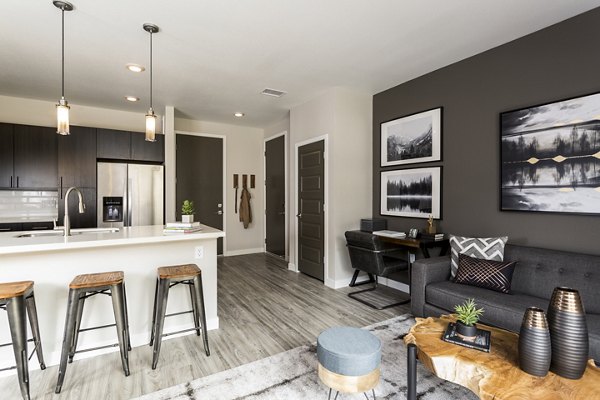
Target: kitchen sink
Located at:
point(74, 232)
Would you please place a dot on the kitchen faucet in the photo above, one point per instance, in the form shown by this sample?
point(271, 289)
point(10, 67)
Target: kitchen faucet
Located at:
point(67, 222)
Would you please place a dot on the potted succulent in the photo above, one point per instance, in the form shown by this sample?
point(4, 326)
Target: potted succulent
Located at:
point(187, 211)
point(467, 315)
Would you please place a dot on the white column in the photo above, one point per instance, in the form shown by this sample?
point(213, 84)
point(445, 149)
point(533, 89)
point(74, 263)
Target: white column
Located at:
point(170, 164)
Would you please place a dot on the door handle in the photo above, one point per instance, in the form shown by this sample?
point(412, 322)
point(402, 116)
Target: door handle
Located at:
point(11, 182)
point(17, 181)
point(299, 215)
point(219, 212)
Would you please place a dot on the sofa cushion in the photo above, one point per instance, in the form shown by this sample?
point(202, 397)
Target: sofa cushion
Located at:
point(484, 248)
point(593, 323)
point(539, 271)
point(501, 310)
point(493, 275)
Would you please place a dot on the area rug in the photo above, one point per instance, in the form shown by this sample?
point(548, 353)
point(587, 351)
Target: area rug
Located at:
point(292, 375)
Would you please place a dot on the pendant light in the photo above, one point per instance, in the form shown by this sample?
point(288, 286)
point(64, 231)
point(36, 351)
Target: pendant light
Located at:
point(150, 116)
point(62, 108)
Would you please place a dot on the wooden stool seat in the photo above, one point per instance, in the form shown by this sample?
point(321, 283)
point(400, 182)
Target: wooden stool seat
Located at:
point(13, 289)
point(179, 271)
point(97, 280)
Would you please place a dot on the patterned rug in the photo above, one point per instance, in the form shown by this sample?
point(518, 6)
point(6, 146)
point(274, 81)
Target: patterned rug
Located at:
point(292, 375)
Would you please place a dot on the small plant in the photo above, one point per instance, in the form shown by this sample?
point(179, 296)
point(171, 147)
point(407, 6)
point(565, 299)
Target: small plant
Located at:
point(468, 313)
point(187, 208)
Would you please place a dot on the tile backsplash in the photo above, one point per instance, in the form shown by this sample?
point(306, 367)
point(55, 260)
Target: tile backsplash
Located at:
point(28, 205)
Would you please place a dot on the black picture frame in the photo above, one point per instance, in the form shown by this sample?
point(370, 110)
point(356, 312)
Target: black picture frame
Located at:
point(412, 205)
point(550, 157)
point(410, 130)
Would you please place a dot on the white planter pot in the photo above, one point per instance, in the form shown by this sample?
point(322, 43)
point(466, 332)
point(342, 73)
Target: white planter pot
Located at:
point(188, 219)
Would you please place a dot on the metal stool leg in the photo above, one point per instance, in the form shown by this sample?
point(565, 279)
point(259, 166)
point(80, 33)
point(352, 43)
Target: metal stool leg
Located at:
point(200, 299)
point(18, 331)
point(161, 308)
point(126, 318)
point(35, 329)
point(68, 337)
point(78, 315)
point(195, 307)
point(154, 313)
point(118, 301)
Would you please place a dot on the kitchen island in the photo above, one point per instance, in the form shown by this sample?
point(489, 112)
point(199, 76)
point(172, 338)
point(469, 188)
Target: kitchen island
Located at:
point(52, 261)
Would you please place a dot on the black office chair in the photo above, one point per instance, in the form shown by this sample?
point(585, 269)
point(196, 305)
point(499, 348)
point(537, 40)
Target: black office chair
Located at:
point(368, 253)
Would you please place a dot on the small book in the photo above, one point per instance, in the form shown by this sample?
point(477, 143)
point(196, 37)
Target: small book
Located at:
point(182, 225)
point(482, 341)
point(393, 234)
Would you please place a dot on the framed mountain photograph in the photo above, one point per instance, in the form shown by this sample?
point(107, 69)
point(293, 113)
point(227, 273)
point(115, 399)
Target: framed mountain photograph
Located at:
point(550, 157)
point(414, 192)
point(412, 139)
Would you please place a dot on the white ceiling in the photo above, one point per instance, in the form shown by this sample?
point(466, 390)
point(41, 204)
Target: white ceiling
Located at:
point(212, 58)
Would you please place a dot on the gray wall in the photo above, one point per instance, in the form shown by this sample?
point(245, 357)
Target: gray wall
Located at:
point(552, 64)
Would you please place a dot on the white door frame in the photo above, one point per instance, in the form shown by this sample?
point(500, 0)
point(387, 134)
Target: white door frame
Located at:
point(287, 202)
point(325, 139)
point(210, 135)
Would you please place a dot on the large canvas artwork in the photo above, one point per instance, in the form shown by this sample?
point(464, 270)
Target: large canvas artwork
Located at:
point(551, 157)
point(411, 192)
point(412, 139)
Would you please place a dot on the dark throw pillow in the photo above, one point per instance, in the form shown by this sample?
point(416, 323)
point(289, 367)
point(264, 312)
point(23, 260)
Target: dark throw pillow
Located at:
point(488, 274)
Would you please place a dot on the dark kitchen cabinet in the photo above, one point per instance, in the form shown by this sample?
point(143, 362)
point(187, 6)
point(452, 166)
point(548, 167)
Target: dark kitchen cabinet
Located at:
point(85, 220)
point(6, 156)
point(37, 226)
point(77, 158)
point(10, 227)
point(147, 151)
point(35, 157)
point(113, 144)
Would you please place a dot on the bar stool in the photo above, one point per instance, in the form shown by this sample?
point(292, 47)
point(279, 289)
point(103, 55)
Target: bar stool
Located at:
point(80, 289)
point(17, 299)
point(188, 274)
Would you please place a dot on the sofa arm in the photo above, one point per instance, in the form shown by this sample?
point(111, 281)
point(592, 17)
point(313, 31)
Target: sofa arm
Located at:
point(424, 272)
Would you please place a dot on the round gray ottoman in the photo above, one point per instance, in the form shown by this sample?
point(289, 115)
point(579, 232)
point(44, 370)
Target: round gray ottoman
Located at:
point(349, 359)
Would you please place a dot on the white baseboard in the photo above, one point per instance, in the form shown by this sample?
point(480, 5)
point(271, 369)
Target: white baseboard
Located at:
point(244, 251)
point(137, 340)
point(292, 267)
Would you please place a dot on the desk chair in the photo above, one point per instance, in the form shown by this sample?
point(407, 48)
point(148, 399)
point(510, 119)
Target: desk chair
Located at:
point(378, 259)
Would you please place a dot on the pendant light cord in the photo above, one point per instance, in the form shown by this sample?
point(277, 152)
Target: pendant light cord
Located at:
point(150, 69)
point(63, 53)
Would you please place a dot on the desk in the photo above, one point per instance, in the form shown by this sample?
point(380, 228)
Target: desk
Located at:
point(423, 244)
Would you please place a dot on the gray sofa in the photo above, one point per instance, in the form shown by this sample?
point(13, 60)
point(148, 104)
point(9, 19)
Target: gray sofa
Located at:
point(537, 273)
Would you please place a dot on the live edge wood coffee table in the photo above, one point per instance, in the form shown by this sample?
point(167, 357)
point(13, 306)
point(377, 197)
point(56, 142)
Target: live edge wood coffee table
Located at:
point(495, 375)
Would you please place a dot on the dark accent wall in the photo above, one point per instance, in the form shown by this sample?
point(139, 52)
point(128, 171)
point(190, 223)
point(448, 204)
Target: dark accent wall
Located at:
point(552, 64)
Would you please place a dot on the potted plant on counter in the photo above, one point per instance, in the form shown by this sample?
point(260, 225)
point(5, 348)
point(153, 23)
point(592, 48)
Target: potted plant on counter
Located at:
point(467, 315)
point(187, 212)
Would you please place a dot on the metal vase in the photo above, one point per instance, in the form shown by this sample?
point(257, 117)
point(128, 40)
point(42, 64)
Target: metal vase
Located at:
point(568, 333)
point(535, 351)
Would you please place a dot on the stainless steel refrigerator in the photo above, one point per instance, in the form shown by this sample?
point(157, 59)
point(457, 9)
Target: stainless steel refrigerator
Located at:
point(130, 194)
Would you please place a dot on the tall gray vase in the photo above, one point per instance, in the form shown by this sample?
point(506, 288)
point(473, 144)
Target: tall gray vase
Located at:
point(568, 332)
point(534, 343)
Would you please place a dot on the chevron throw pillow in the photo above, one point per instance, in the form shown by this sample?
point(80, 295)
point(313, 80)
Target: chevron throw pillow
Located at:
point(483, 248)
point(494, 275)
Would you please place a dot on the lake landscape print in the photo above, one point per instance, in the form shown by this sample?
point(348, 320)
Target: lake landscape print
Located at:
point(551, 157)
point(411, 192)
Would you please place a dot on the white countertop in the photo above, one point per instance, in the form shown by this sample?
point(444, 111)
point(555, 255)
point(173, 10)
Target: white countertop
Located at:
point(11, 244)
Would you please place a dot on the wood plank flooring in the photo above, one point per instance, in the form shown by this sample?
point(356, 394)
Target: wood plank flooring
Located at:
point(263, 309)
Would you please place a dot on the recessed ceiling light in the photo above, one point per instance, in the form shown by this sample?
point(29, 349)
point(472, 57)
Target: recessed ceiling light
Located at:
point(239, 114)
point(132, 98)
point(135, 67)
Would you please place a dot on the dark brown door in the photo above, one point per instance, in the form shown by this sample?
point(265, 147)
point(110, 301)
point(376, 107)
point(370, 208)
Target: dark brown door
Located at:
point(35, 157)
point(6, 156)
point(311, 218)
point(200, 179)
point(275, 196)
